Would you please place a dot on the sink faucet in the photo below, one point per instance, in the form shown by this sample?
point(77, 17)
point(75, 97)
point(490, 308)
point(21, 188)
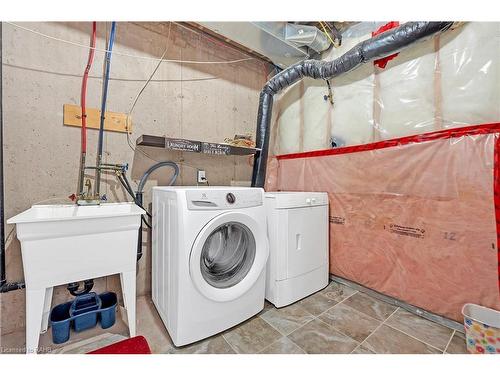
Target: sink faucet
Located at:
point(88, 185)
point(87, 198)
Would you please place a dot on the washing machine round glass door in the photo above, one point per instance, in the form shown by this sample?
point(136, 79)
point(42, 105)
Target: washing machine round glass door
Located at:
point(228, 256)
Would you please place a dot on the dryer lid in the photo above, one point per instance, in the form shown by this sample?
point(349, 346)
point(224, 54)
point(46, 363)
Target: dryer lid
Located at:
point(292, 199)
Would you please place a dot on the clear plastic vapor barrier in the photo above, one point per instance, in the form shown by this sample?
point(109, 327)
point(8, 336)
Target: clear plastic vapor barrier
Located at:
point(451, 80)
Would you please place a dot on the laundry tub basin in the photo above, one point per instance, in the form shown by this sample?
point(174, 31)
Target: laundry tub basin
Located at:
point(66, 243)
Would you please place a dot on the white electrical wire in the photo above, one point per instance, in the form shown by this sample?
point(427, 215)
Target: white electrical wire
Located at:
point(129, 113)
point(127, 54)
point(122, 79)
point(149, 80)
point(159, 60)
point(136, 99)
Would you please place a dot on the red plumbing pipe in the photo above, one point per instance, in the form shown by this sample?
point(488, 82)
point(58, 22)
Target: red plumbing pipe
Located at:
point(83, 95)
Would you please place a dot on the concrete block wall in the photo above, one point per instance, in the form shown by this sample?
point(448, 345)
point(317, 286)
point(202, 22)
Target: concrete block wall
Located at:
point(198, 101)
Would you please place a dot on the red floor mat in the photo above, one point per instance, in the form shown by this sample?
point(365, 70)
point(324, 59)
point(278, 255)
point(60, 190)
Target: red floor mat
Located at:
point(134, 345)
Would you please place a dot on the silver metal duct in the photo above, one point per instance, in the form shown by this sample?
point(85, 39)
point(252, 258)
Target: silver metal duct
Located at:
point(281, 42)
point(307, 36)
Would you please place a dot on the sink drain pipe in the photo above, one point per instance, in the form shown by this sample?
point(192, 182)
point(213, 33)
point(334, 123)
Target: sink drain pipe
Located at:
point(380, 46)
point(5, 286)
point(87, 287)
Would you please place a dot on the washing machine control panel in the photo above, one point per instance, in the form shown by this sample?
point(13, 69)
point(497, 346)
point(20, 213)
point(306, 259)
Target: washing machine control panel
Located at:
point(223, 199)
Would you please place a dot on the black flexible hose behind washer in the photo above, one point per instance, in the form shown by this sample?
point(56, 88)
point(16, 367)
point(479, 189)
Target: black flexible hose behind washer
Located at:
point(137, 197)
point(139, 193)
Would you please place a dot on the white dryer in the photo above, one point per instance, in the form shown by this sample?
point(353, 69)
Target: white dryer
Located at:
point(298, 245)
point(209, 257)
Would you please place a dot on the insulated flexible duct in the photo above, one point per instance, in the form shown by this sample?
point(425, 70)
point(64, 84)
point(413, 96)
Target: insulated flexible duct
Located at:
point(375, 48)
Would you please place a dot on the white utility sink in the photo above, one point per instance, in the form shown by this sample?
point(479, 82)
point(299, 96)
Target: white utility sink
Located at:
point(65, 243)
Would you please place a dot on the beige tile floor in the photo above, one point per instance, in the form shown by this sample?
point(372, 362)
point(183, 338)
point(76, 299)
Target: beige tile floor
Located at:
point(337, 319)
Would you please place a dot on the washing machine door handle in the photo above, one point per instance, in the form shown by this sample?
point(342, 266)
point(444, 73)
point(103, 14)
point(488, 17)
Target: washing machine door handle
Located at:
point(228, 256)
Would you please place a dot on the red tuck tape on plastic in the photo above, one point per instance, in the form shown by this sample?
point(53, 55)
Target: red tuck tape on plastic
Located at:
point(426, 137)
point(440, 134)
point(496, 194)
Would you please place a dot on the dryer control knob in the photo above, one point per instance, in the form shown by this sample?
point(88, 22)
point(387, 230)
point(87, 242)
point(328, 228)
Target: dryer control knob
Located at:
point(230, 198)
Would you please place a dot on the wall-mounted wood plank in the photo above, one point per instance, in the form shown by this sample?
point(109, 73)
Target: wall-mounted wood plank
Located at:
point(114, 121)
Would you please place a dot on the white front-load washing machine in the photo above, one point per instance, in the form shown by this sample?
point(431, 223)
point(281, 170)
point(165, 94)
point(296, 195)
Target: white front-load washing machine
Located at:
point(209, 256)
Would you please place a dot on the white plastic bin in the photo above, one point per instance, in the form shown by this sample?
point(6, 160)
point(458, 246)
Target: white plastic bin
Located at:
point(482, 329)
